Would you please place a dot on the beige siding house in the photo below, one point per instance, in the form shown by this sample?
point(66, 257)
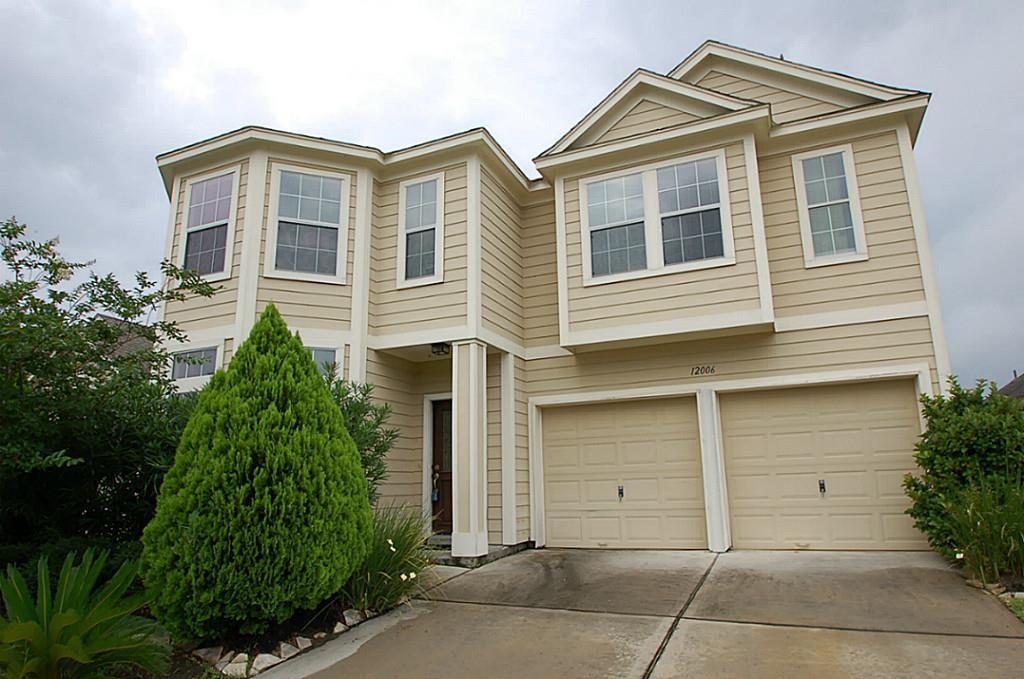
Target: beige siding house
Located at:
point(705, 325)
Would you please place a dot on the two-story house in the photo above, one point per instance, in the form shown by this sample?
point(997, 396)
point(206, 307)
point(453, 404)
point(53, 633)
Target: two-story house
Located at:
point(707, 324)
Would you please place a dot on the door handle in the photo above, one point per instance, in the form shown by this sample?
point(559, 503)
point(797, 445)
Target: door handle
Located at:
point(821, 486)
point(621, 493)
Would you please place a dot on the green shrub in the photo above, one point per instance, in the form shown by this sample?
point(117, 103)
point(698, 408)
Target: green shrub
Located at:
point(397, 559)
point(265, 510)
point(77, 630)
point(986, 521)
point(971, 434)
point(366, 422)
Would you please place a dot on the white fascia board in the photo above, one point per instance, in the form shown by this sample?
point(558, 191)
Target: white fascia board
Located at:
point(864, 113)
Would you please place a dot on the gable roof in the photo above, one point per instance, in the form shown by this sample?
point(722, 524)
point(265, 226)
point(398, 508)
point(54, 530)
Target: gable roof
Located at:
point(840, 81)
point(1014, 388)
point(642, 78)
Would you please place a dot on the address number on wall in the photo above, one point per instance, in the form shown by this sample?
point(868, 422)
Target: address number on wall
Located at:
point(702, 370)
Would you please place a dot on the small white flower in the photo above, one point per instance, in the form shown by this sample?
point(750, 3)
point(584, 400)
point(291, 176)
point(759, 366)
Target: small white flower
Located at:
point(390, 542)
point(959, 555)
point(393, 549)
point(412, 576)
point(403, 576)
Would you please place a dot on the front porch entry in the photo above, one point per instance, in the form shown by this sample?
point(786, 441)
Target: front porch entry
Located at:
point(441, 470)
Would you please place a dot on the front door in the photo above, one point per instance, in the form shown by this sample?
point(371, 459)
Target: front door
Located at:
point(441, 473)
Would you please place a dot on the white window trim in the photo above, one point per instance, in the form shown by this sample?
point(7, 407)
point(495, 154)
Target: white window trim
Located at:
point(438, 277)
point(810, 259)
point(189, 384)
point(339, 355)
point(270, 269)
point(652, 221)
point(229, 242)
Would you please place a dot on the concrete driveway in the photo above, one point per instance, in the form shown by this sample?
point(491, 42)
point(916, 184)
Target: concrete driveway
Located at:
point(593, 613)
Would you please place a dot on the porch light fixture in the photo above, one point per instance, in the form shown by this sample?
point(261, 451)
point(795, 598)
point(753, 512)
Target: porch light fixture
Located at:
point(440, 348)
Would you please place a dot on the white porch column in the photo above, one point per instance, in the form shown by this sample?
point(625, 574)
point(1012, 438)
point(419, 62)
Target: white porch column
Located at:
point(712, 458)
point(469, 448)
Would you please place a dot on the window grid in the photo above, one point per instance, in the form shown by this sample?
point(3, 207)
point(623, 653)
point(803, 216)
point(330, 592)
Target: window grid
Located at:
point(615, 201)
point(618, 249)
point(325, 359)
point(195, 363)
point(690, 231)
point(209, 210)
point(420, 229)
point(309, 212)
point(828, 204)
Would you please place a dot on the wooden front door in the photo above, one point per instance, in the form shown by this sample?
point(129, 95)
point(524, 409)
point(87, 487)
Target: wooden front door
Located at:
point(441, 473)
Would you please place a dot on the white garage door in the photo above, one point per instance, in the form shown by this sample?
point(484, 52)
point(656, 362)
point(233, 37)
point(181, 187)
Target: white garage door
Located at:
point(649, 448)
point(856, 439)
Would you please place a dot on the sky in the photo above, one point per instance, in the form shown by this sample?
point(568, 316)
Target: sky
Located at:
point(95, 90)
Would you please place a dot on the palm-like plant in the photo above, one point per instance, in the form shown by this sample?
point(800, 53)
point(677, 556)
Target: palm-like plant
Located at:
point(78, 630)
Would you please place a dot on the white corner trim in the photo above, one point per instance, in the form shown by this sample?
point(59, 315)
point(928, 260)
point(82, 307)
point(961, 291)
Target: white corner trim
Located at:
point(562, 266)
point(427, 461)
point(252, 232)
point(924, 256)
point(812, 260)
point(508, 449)
point(474, 238)
point(270, 256)
point(712, 456)
point(438, 276)
point(235, 170)
point(361, 277)
point(536, 474)
point(871, 314)
point(169, 237)
point(764, 277)
point(652, 220)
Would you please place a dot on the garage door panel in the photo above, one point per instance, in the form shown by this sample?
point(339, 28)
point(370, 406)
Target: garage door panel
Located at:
point(858, 438)
point(650, 448)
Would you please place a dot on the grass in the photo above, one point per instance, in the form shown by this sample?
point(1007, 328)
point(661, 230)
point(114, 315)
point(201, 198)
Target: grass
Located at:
point(1017, 606)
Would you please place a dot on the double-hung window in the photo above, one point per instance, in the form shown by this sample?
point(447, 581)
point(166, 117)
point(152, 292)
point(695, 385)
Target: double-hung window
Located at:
point(421, 231)
point(195, 363)
point(325, 359)
point(830, 221)
point(660, 218)
point(310, 228)
point(207, 224)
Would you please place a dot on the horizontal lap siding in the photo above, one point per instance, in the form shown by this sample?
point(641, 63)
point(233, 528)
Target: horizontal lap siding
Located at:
point(393, 384)
point(219, 309)
point(501, 268)
point(307, 304)
point(901, 341)
point(394, 310)
point(522, 453)
point(670, 296)
point(540, 271)
point(786, 106)
point(646, 116)
point(891, 275)
point(494, 449)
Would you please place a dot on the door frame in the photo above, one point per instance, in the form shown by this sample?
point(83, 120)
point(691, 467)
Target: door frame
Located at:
point(427, 461)
point(716, 496)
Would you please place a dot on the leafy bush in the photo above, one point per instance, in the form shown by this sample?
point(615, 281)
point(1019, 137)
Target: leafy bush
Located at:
point(76, 631)
point(971, 434)
point(986, 521)
point(366, 422)
point(265, 510)
point(88, 420)
point(397, 559)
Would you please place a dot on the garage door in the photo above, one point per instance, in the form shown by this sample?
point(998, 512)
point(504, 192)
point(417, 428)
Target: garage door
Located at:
point(649, 448)
point(856, 439)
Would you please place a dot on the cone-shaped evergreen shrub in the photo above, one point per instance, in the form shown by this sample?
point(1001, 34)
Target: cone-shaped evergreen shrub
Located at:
point(265, 510)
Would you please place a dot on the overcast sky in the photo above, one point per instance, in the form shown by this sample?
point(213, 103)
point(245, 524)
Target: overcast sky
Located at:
point(94, 90)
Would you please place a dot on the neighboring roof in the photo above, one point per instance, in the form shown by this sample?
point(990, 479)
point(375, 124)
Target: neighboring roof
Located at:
point(1014, 388)
point(642, 77)
point(130, 340)
point(714, 48)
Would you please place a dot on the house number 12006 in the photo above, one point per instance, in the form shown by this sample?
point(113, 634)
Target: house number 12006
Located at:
point(702, 370)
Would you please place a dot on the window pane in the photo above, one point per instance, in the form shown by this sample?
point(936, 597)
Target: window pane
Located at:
point(427, 263)
point(305, 260)
point(816, 192)
point(328, 239)
point(412, 217)
point(428, 191)
point(836, 188)
point(285, 258)
point(618, 249)
point(713, 246)
point(693, 249)
point(813, 169)
point(309, 209)
point(195, 363)
point(412, 244)
point(205, 250)
point(668, 201)
point(309, 186)
point(616, 212)
point(844, 240)
point(823, 243)
point(691, 224)
point(309, 197)
point(599, 263)
point(711, 221)
point(324, 359)
point(688, 185)
point(833, 165)
point(290, 183)
point(327, 262)
point(707, 170)
point(708, 193)
point(615, 200)
point(673, 251)
point(599, 241)
point(330, 211)
point(286, 233)
point(428, 214)
point(666, 178)
point(412, 267)
point(210, 201)
point(637, 258)
point(840, 216)
point(307, 236)
point(619, 261)
point(288, 207)
point(331, 189)
point(419, 254)
point(819, 219)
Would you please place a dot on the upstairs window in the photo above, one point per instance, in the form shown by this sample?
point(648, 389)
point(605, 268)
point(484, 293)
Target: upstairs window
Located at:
point(195, 363)
point(309, 211)
point(691, 215)
point(615, 209)
point(206, 227)
point(421, 231)
point(830, 217)
point(659, 218)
